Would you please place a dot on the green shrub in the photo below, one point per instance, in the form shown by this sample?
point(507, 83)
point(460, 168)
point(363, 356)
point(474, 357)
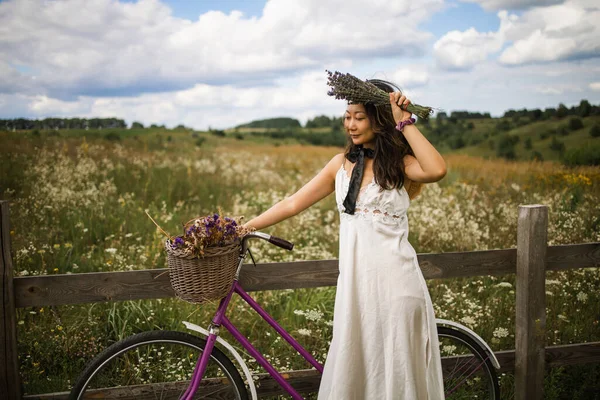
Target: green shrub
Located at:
point(200, 141)
point(528, 144)
point(595, 130)
point(587, 155)
point(575, 123)
point(474, 141)
point(457, 143)
point(557, 145)
point(506, 147)
point(563, 130)
point(503, 125)
point(112, 136)
point(536, 156)
point(239, 136)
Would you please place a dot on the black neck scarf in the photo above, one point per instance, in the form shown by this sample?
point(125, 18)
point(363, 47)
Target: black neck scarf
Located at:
point(356, 156)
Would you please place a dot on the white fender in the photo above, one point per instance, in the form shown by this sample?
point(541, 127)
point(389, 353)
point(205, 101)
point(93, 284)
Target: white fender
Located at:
point(233, 352)
point(473, 336)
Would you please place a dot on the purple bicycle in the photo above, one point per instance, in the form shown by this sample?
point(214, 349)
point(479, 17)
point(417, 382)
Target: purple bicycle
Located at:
point(177, 365)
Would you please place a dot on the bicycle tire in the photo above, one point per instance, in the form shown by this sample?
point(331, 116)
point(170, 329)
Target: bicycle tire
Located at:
point(469, 388)
point(175, 346)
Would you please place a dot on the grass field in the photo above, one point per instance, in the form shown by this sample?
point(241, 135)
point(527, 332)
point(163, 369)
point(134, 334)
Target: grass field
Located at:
point(77, 205)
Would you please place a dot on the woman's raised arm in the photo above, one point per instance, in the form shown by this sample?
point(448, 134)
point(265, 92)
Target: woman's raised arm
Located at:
point(319, 187)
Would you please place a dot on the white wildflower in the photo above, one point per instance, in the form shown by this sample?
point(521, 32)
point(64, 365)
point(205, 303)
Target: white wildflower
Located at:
point(468, 321)
point(500, 332)
point(111, 250)
point(313, 315)
point(504, 284)
point(582, 297)
point(304, 332)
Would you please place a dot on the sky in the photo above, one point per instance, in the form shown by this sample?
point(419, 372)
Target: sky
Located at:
point(218, 64)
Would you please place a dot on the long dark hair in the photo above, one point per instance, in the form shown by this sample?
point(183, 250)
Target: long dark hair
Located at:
point(390, 145)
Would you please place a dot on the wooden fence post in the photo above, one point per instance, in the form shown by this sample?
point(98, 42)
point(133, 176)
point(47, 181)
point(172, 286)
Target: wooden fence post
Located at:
point(530, 335)
point(10, 382)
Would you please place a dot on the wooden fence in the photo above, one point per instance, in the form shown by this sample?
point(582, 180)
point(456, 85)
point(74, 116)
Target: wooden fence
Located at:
point(530, 261)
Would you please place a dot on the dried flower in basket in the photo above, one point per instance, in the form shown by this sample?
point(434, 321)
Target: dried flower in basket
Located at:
point(350, 88)
point(208, 231)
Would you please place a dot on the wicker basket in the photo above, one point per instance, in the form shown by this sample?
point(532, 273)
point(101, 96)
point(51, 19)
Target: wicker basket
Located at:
point(198, 280)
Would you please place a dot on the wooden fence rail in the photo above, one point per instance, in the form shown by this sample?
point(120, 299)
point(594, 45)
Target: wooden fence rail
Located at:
point(529, 261)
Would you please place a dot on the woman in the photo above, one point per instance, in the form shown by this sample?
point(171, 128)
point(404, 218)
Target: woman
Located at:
point(385, 343)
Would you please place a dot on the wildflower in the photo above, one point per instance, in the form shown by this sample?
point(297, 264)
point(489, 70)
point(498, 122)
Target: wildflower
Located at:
point(304, 332)
point(449, 349)
point(468, 320)
point(298, 312)
point(111, 250)
point(313, 315)
point(582, 297)
point(500, 332)
point(504, 284)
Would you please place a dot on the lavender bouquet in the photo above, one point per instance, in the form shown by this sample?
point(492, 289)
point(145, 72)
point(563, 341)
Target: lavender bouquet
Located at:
point(208, 231)
point(348, 87)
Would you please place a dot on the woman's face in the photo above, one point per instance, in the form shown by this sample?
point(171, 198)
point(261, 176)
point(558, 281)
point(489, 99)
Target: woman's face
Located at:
point(358, 125)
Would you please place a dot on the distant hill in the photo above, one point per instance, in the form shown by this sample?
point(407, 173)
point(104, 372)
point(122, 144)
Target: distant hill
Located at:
point(274, 123)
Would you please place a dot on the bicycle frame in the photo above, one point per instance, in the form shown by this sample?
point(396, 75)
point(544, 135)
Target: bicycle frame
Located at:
point(221, 320)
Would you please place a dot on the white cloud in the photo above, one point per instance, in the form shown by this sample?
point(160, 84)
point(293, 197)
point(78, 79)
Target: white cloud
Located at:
point(595, 86)
point(567, 31)
point(557, 89)
point(542, 34)
point(412, 76)
point(462, 50)
point(101, 47)
point(512, 4)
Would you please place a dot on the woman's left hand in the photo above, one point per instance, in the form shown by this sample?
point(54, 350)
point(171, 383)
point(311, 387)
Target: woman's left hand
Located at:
point(399, 102)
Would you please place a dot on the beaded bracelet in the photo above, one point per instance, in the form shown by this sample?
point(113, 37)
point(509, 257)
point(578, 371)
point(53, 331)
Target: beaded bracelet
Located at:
point(405, 122)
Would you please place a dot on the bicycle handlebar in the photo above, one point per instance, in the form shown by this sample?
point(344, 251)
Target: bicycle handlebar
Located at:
point(277, 241)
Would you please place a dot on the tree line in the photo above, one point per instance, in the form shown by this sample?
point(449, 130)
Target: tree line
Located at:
point(61, 123)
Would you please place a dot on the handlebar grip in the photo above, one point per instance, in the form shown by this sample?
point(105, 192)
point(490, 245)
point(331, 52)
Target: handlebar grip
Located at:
point(284, 244)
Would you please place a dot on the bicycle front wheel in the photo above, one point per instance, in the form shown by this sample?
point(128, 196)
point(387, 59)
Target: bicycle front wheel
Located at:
point(157, 365)
point(468, 371)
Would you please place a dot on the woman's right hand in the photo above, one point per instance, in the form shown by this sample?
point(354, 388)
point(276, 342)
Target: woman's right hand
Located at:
point(399, 102)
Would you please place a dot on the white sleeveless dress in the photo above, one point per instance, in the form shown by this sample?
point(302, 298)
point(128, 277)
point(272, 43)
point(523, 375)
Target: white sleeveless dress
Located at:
point(385, 344)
